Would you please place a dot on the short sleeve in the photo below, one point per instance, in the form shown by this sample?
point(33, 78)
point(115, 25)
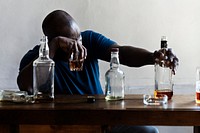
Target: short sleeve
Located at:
point(96, 43)
point(29, 57)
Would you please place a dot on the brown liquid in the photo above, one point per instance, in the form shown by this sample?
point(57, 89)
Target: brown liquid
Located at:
point(76, 65)
point(197, 97)
point(167, 92)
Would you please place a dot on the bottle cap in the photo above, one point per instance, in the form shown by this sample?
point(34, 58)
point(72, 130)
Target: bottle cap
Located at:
point(114, 49)
point(163, 42)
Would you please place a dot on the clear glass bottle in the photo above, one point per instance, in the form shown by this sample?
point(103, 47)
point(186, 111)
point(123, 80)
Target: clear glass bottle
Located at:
point(43, 73)
point(163, 74)
point(114, 78)
point(16, 96)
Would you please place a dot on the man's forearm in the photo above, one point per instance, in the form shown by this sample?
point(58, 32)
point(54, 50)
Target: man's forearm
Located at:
point(135, 57)
point(25, 79)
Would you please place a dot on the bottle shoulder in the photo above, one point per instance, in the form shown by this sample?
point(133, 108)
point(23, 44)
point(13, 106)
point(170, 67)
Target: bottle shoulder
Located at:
point(114, 72)
point(43, 61)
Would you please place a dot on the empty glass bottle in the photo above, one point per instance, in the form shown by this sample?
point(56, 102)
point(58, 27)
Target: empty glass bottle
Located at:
point(16, 96)
point(163, 74)
point(43, 73)
point(114, 78)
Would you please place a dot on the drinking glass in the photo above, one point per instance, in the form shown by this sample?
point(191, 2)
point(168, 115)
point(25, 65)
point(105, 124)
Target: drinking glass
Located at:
point(75, 64)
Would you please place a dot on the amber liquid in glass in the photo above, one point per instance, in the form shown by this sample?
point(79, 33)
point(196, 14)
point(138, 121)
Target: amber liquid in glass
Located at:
point(197, 97)
point(76, 65)
point(167, 92)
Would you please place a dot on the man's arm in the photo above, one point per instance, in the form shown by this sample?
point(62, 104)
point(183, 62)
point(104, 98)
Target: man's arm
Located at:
point(137, 57)
point(132, 56)
point(25, 78)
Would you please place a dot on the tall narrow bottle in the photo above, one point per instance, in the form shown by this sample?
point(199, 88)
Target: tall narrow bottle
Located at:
point(43, 73)
point(114, 78)
point(197, 97)
point(163, 74)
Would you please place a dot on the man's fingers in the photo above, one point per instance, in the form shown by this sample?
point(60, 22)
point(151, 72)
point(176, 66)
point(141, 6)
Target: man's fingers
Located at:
point(165, 57)
point(76, 51)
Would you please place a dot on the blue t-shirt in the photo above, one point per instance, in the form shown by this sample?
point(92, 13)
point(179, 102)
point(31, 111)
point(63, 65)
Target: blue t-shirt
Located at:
point(72, 82)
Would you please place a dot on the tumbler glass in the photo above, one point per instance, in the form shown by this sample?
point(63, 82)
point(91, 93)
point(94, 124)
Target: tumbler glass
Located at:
point(75, 64)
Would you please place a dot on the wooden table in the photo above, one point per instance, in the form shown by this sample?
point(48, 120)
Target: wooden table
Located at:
point(75, 110)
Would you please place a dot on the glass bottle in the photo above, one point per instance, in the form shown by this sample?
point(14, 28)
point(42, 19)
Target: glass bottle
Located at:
point(197, 85)
point(114, 78)
point(43, 73)
point(16, 96)
point(163, 74)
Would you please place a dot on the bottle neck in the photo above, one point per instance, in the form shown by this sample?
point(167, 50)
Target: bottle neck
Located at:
point(164, 50)
point(163, 42)
point(114, 62)
point(44, 48)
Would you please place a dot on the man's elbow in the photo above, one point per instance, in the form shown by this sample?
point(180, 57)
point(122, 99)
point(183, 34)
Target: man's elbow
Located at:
point(24, 84)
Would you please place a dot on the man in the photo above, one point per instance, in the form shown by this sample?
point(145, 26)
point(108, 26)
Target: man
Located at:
point(65, 38)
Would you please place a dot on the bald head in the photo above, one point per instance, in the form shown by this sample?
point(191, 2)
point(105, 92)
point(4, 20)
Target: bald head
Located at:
point(60, 23)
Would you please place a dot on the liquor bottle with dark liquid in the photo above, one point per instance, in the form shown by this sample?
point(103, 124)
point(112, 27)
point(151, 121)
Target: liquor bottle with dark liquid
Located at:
point(114, 78)
point(163, 74)
point(197, 97)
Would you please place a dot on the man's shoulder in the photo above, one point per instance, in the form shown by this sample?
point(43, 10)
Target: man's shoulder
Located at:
point(87, 32)
point(91, 35)
point(29, 56)
point(34, 51)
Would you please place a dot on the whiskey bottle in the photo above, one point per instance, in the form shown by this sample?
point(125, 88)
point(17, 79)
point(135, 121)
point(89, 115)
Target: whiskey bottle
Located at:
point(114, 78)
point(43, 73)
point(163, 74)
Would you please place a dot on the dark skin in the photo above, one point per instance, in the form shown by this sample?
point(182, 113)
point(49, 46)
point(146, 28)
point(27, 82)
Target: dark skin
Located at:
point(68, 39)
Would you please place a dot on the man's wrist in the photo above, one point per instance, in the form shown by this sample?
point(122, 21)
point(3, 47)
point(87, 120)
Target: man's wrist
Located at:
point(152, 58)
point(53, 47)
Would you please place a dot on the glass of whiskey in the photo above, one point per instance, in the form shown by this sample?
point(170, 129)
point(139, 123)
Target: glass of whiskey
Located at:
point(75, 64)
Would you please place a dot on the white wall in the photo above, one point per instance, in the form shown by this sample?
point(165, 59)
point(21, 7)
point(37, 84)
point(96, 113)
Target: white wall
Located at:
point(139, 23)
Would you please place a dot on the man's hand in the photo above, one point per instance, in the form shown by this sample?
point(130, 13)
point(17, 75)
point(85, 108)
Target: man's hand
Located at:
point(69, 46)
point(166, 58)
